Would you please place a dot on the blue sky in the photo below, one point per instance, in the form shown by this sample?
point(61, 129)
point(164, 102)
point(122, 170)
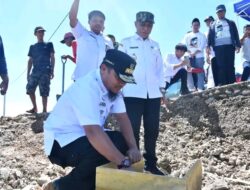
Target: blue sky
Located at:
point(18, 18)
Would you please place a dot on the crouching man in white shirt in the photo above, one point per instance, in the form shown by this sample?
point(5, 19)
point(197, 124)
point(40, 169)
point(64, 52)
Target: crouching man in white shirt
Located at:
point(74, 133)
point(175, 68)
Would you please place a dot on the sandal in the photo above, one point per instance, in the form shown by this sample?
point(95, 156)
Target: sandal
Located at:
point(33, 110)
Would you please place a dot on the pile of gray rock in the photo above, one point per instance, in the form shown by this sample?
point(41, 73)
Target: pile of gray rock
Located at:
point(213, 126)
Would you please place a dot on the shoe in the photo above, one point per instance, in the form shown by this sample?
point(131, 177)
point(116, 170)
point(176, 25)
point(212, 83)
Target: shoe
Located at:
point(33, 110)
point(185, 92)
point(153, 170)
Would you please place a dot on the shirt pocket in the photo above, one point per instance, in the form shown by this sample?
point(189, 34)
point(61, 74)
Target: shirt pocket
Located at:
point(155, 54)
point(133, 51)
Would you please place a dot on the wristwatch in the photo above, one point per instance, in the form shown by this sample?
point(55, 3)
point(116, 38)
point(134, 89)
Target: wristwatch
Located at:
point(126, 163)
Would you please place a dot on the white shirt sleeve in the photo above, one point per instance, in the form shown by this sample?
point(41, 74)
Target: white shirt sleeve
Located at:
point(86, 106)
point(169, 68)
point(79, 30)
point(184, 40)
point(160, 69)
point(118, 106)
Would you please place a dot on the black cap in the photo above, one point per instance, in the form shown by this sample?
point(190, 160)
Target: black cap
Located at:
point(209, 18)
point(39, 28)
point(122, 63)
point(220, 8)
point(144, 16)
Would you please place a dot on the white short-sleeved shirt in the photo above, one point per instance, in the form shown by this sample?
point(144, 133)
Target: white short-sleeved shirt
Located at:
point(91, 49)
point(194, 42)
point(169, 63)
point(85, 102)
point(148, 72)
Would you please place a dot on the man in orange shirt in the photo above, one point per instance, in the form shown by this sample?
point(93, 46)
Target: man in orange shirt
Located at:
point(70, 41)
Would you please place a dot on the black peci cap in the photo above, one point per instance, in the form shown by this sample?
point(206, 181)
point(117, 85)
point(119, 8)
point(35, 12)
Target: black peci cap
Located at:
point(122, 63)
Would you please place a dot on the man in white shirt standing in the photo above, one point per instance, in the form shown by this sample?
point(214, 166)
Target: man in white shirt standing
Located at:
point(175, 68)
point(91, 45)
point(245, 42)
point(144, 98)
point(196, 44)
point(74, 133)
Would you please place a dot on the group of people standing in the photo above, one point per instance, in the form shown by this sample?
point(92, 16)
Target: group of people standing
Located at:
point(74, 133)
point(217, 47)
point(130, 83)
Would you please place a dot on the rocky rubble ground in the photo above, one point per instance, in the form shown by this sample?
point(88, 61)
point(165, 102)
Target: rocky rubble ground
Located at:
point(213, 126)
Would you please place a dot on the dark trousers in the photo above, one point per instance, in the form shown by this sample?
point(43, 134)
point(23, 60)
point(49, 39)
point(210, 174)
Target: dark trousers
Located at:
point(149, 109)
point(81, 155)
point(181, 74)
point(214, 71)
point(245, 74)
point(225, 56)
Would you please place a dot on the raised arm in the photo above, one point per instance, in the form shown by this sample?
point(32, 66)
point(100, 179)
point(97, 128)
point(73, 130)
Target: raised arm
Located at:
point(73, 13)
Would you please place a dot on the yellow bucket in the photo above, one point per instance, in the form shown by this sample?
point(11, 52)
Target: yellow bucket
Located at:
point(108, 177)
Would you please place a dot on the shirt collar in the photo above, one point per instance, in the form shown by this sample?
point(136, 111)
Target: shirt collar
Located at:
point(100, 82)
point(137, 37)
point(94, 34)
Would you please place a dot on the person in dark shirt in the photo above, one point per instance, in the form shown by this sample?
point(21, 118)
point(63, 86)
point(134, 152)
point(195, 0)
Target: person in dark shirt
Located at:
point(42, 59)
point(3, 70)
